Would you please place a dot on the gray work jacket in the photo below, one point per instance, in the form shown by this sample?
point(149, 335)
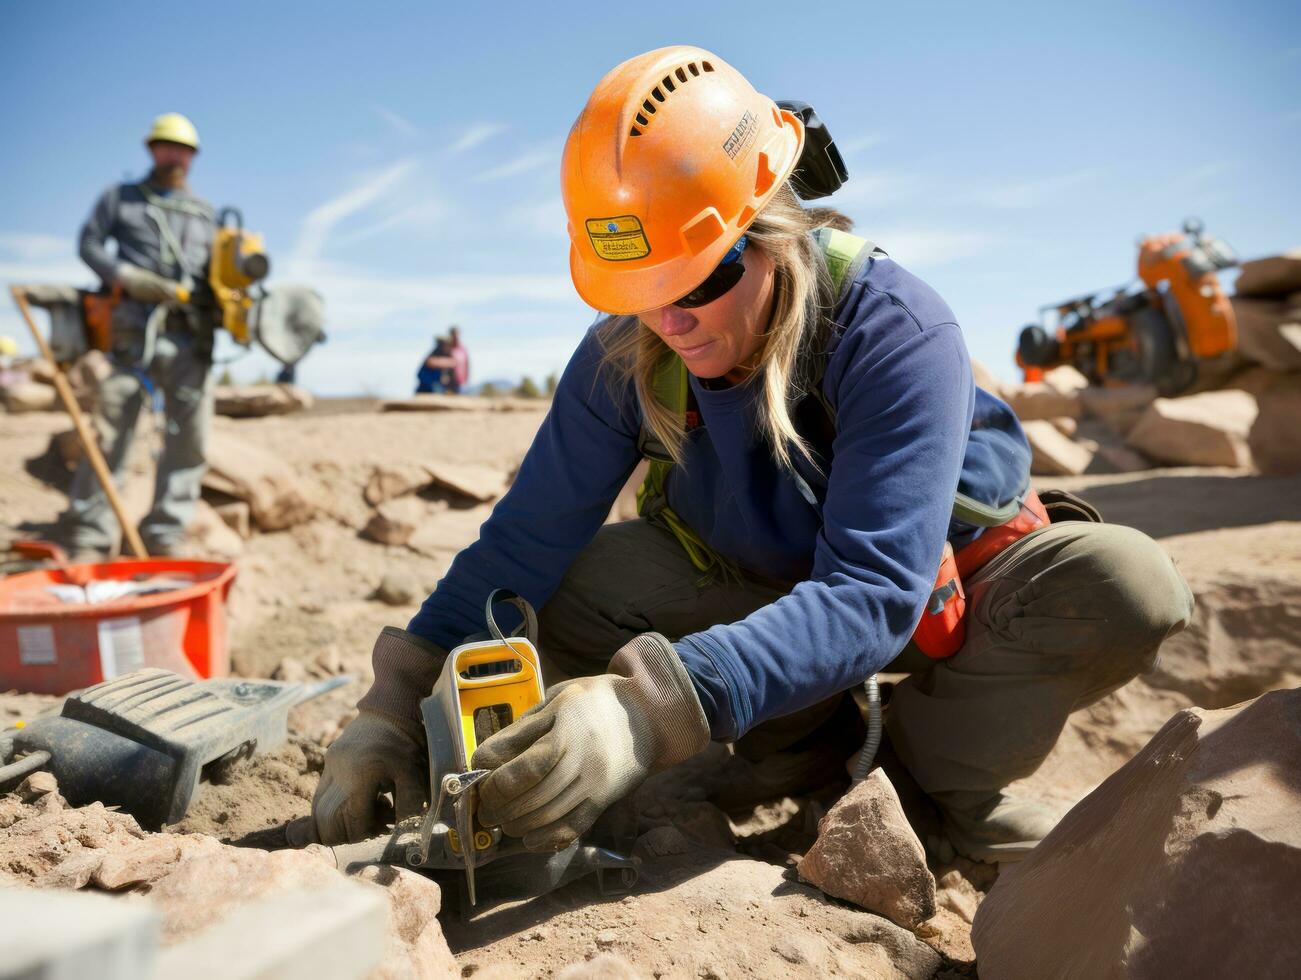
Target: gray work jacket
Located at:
point(131, 214)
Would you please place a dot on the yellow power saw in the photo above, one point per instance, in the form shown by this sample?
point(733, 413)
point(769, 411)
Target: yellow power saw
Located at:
point(486, 684)
point(285, 321)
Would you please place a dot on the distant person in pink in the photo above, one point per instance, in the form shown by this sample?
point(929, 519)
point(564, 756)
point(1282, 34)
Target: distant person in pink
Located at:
point(460, 373)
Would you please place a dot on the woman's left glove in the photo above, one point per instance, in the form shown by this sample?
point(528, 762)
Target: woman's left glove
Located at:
point(590, 743)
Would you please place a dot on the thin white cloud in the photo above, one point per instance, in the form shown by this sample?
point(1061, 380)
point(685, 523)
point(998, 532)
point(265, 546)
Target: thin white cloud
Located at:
point(423, 213)
point(320, 222)
point(877, 189)
point(1027, 193)
point(399, 122)
point(923, 248)
point(858, 144)
point(476, 134)
point(35, 246)
point(1197, 178)
point(522, 164)
point(546, 219)
point(358, 299)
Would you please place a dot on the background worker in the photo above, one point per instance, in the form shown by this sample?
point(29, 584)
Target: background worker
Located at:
point(163, 234)
point(435, 369)
point(826, 436)
point(459, 375)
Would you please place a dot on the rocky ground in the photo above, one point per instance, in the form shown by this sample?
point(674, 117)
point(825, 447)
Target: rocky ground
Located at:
point(337, 533)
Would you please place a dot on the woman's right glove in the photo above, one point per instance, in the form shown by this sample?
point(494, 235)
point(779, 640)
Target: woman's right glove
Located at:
point(590, 743)
point(383, 749)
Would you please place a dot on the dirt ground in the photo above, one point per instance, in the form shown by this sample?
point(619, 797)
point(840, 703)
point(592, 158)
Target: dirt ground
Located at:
point(718, 896)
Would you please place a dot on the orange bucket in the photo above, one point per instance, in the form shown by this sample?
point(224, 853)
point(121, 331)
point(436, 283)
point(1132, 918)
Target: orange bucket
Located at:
point(52, 646)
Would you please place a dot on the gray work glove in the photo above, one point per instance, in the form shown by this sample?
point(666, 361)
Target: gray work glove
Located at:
point(149, 287)
point(590, 743)
point(383, 749)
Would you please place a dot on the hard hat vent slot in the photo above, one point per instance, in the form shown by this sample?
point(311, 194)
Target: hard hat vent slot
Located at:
point(664, 89)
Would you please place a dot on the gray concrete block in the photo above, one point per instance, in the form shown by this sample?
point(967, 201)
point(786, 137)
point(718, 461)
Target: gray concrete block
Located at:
point(336, 933)
point(62, 935)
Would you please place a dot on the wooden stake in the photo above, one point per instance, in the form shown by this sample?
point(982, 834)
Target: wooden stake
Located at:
point(88, 441)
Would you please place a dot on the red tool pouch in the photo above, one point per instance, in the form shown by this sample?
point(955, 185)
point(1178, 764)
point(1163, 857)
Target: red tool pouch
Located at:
point(942, 631)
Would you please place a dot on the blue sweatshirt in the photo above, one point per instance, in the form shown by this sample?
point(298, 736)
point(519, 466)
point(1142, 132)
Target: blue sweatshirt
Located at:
point(910, 428)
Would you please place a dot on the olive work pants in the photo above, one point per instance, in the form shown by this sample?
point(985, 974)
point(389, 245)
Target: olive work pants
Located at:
point(183, 375)
point(1056, 621)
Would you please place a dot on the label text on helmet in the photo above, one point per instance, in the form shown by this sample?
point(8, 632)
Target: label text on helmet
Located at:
point(742, 136)
point(618, 239)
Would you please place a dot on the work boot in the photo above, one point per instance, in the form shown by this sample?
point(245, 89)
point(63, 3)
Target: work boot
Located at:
point(171, 548)
point(1002, 829)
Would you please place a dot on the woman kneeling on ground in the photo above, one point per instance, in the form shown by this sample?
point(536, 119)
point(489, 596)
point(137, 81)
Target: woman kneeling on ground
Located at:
point(822, 440)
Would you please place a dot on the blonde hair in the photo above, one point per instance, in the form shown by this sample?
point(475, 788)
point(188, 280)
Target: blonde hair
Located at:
point(801, 299)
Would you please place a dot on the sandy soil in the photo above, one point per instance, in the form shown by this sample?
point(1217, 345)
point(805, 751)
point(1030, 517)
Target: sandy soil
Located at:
point(720, 898)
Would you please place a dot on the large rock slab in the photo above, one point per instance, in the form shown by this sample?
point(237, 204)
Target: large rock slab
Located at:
point(395, 522)
point(394, 480)
point(1209, 429)
point(868, 854)
point(253, 401)
point(464, 403)
point(1039, 400)
point(29, 396)
point(985, 378)
point(1275, 275)
point(1185, 862)
point(472, 481)
point(1119, 408)
point(240, 469)
point(1066, 379)
point(1275, 437)
point(1269, 332)
point(1053, 453)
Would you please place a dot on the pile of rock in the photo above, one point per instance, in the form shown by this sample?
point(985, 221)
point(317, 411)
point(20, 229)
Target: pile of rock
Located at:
point(1074, 428)
point(28, 385)
point(194, 885)
point(1244, 413)
point(1267, 304)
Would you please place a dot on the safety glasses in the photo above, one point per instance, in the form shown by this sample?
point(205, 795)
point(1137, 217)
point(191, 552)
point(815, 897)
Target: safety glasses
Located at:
point(725, 275)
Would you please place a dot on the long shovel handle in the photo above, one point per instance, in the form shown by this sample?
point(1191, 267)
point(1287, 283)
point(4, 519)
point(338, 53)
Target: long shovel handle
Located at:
point(88, 441)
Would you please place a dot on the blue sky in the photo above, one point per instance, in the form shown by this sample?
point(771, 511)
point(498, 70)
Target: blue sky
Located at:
point(404, 157)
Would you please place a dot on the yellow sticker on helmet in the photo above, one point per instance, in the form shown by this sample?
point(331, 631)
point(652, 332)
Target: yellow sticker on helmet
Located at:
point(618, 239)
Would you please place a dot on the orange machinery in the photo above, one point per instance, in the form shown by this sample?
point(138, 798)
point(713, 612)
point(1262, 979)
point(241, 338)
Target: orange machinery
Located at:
point(1157, 333)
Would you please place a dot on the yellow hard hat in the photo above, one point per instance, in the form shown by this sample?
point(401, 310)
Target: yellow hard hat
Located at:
point(174, 128)
point(8, 348)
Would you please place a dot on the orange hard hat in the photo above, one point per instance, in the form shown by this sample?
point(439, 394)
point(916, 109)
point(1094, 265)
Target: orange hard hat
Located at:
point(668, 163)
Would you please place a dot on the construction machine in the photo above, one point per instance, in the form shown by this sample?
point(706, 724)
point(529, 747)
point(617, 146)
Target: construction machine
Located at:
point(1156, 329)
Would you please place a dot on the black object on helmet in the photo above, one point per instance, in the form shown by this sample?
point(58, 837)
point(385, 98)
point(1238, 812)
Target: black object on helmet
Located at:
point(821, 169)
